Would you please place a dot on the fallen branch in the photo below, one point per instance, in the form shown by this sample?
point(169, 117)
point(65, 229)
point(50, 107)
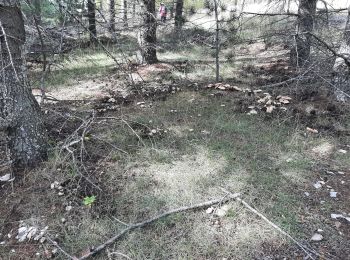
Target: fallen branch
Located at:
point(132, 227)
point(306, 250)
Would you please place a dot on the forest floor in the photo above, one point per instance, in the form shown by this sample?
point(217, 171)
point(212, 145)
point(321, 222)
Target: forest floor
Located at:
point(122, 153)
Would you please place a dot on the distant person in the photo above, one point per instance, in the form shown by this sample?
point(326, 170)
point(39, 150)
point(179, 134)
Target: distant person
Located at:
point(163, 12)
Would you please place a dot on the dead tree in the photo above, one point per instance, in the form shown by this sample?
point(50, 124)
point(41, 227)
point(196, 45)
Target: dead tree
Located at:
point(20, 115)
point(300, 52)
point(148, 33)
point(179, 20)
point(112, 15)
point(91, 5)
point(341, 68)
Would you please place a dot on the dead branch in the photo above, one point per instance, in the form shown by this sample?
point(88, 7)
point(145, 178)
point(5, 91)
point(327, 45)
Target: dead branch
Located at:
point(328, 47)
point(132, 227)
point(270, 14)
point(306, 250)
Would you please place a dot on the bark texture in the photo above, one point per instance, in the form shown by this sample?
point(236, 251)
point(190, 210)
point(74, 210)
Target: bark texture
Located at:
point(125, 13)
point(91, 5)
point(112, 15)
point(179, 19)
point(20, 115)
point(300, 53)
point(341, 79)
point(148, 33)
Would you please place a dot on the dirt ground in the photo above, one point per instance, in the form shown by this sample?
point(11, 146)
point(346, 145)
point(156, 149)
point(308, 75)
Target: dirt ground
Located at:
point(122, 153)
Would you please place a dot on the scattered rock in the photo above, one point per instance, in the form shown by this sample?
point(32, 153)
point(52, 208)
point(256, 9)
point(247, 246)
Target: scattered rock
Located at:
point(210, 210)
point(221, 212)
point(333, 194)
point(316, 237)
point(6, 177)
point(318, 184)
point(252, 112)
point(339, 216)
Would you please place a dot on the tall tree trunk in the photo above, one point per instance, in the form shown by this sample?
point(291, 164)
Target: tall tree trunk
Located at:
point(179, 20)
point(91, 5)
point(217, 42)
point(300, 53)
point(125, 13)
point(148, 33)
point(20, 115)
point(341, 68)
point(37, 10)
point(112, 15)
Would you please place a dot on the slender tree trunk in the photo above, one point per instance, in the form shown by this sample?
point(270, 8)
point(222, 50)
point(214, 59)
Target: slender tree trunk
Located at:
point(125, 13)
point(341, 79)
point(300, 53)
point(179, 20)
point(217, 42)
point(37, 10)
point(148, 33)
point(91, 5)
point(20, 114)
point(112, 15)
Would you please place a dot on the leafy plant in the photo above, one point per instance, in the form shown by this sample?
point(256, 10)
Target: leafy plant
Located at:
point(89, 200)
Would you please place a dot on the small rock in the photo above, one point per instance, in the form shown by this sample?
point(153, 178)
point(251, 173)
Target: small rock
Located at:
point(42, 240)
point(307, 194)
point(209, 210)
point(319, 230)
point(337, 224)
point(317, 185)
point(69, 208)
point(60, 193)
point(342, 151)
point(63, 220)
point(316, 237)
point(333, 194)
point(2, 243)
point(341, 173)
point(252, 112)
point(191, 130)
point(5, 177)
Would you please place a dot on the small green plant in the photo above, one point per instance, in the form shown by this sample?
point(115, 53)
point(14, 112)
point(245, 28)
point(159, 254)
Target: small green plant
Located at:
point(89, 200)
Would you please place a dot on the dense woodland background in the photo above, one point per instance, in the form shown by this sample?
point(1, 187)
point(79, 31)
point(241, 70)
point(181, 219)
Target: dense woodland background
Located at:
point(221, 133)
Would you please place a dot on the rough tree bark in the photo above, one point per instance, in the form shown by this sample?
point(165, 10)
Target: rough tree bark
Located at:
point(179, 20)
point(91, 5)
point(148, 33)
point(20, 115)
point(125, 13)
point(217, 42)
point(341, 78)
point(112, 15)
point(300, 53)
